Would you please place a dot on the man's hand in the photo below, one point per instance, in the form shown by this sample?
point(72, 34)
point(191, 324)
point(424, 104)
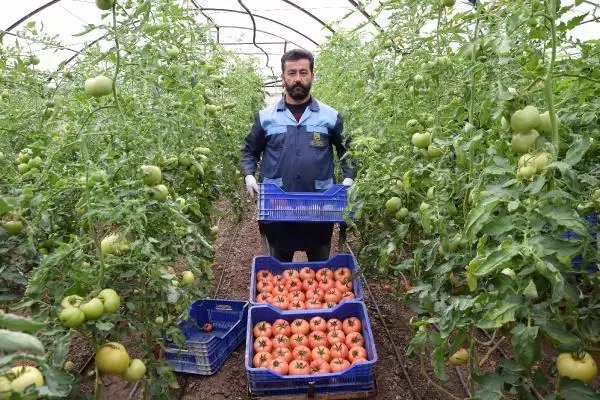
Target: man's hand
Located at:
point(348, 182)
point(251, 185)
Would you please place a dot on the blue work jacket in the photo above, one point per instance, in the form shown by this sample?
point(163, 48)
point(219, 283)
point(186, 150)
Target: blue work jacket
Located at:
point(296, 155)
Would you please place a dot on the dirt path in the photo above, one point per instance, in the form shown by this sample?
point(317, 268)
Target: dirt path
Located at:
point(230, 381)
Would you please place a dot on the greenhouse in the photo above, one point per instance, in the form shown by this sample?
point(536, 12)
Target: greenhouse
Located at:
point(289, 200)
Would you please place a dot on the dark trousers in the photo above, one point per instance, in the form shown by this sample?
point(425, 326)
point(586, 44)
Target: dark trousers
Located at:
point(320, 253)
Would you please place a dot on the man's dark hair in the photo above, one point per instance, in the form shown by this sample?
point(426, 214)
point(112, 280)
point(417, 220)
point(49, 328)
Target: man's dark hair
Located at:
point(297, 54)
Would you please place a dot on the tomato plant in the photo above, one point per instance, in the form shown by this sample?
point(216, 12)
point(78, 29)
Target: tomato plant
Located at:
point(480, 106)
point(111, 166)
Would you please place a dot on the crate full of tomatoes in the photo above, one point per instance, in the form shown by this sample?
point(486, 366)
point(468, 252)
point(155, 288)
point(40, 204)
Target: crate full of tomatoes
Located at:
point(292, 286)
point(321, 351)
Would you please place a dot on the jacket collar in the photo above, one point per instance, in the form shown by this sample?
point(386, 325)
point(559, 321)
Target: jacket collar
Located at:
point(312, 106)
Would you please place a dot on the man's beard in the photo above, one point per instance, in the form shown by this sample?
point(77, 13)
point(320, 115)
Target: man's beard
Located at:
point(298, 91)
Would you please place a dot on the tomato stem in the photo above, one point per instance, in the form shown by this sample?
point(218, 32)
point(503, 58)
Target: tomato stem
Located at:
point(97, 386)
point(549, 84)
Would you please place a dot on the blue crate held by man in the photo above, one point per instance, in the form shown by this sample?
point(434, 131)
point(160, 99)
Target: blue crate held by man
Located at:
point(203, 352)
point(359, 377)
point(274, 204)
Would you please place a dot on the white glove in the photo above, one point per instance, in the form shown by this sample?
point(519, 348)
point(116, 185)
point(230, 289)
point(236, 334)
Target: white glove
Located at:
point(251, 185)
point(348, 182)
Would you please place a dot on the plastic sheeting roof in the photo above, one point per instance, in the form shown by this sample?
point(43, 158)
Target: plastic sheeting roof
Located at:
point(278, 25)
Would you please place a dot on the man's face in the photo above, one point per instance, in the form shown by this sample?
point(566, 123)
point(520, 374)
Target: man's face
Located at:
point(297, 78)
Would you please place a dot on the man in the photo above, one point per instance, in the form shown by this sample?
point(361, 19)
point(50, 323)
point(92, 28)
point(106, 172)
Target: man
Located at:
point(295, 138)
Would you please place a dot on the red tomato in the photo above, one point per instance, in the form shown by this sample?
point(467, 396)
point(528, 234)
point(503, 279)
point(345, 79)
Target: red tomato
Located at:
point(342, 273)
point(339, 364)
point(309, 284)
point(263, 274)
point(264, 297)
point(343, 286)
point(351, 324)
point(354, 339)
point(315, 294)
point(278, 366)
point(278, 280)
point(302, 353)
point(207, 327)
point(339, 350)
point(321, 353)
point(334, 337)
point(280, 302)
point(333, 295)
point(293, 285)
point(356, 352)
point(330, 304)
point(265, 286)
point(314, 304)
point(319, 367)
point(297, 295)
point(324, 272)
point(347, 296)
point(263, 328)
point(281, 326)
point(299, 367)
point(281, 341)
point(296, 305)
point(279, 290)
point(261, 359)
point(300, 326)
point(318, 324)
point(263, 344)
point(307, 273)
point(298, 339)
point(316, 339)
point(326, 283)
point(334, 324)
point(291, 274)
point(283, 353)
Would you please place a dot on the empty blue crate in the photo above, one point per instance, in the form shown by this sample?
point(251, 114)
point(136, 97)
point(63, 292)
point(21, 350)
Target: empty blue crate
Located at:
point(204, 352)
point(276, 267)
point(276, 205)
point(359, 377)
point(577, 262)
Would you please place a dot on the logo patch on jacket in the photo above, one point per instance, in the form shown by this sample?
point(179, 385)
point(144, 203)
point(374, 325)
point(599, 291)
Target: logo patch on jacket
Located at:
point(316, 140)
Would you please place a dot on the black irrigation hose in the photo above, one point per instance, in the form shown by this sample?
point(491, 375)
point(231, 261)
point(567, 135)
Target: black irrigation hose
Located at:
point(389, 334)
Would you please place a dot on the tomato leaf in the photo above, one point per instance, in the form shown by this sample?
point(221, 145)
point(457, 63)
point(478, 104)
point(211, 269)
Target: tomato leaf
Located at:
point(489, 386)
point(437, 361)
point(564, 216)
point(477, 218)
point(530, 291)
point(572, 389)
point(502, 313)
point(537, 185)
point(526, 347)
point(18, 323)
point(546, 245)
point(495, 260)
point(498, 226)
point(577, 151)
point(559, 335)
point(11, 342)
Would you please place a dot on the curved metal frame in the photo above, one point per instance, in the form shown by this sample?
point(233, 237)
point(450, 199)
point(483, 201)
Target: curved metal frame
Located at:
point(26, 17)
point(310, 15)
point(265, 18)
point(261, 31)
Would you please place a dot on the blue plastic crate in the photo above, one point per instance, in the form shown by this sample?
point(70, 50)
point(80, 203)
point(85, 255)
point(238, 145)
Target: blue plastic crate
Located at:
point(276, 205)
point(577, 261)
point(204, 352)
point(277, 267)
point(358, 378)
